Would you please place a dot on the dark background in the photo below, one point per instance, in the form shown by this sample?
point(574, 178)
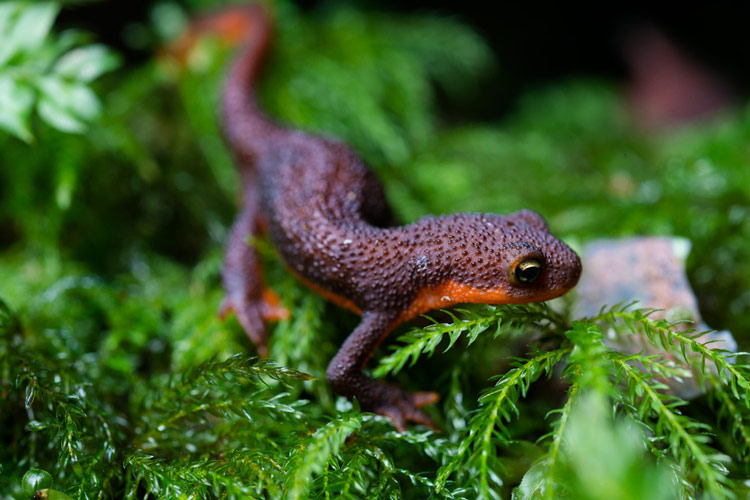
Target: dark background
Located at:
point(533, 43)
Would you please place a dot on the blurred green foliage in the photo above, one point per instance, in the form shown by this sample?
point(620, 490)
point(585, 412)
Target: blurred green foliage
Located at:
point(50, 73)
point(117, 378)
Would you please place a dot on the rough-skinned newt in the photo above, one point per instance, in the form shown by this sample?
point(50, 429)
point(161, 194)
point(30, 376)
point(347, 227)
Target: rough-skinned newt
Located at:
point(327, 215)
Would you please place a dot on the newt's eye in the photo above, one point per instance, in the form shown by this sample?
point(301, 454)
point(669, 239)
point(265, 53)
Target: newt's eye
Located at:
point(528, 270)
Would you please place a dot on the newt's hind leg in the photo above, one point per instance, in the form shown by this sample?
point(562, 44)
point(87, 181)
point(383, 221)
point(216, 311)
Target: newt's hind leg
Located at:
point(247, 297)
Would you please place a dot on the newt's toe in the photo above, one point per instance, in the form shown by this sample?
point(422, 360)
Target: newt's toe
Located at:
point(404, 408)
point(425, 398)
point(271, 308)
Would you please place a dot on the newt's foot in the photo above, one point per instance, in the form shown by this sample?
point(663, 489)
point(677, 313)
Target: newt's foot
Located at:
point(271, 308)
point(253, 313)
point(250, 317)
point(402, 407)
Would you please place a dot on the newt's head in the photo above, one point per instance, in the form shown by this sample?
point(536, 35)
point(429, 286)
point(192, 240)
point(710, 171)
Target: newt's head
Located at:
point(530, 264)
point(493, 259)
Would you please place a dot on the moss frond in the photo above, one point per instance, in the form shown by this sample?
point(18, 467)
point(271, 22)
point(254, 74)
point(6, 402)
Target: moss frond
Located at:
point(729, 411)
point(477, 453)
point(672, 338)
point(314, 454)
point(471, 323)
point(686, 438)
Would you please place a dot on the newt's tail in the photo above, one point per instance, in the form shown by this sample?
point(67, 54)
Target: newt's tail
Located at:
point(245, 125)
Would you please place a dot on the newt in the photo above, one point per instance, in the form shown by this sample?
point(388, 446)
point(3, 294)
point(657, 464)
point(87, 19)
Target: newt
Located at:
point(326, 214)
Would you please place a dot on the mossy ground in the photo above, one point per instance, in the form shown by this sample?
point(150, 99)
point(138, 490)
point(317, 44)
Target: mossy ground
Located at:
point(118, 378)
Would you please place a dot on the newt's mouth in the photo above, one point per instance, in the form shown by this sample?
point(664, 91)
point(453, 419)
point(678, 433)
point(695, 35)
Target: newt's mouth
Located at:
point(452, 292)
point(501, 296)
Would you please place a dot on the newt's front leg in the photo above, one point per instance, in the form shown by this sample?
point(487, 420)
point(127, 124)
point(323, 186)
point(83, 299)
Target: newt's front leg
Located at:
point(252, 303)
point(346, 377)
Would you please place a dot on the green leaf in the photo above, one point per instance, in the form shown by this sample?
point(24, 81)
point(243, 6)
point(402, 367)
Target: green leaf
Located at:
point(86, 63)
point(36, 479)
point(67, 105)
point(24, 27)
point(532, 484)
point(59, 117)
point(16, 102)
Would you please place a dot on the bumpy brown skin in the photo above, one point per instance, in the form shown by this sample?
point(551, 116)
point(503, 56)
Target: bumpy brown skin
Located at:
point(327, 215)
